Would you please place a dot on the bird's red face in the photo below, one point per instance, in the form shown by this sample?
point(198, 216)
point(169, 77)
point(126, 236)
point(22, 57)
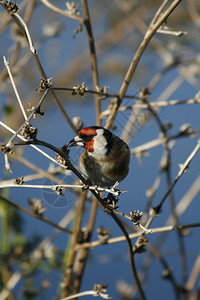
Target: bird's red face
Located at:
point(85, 139)
point(87, 134)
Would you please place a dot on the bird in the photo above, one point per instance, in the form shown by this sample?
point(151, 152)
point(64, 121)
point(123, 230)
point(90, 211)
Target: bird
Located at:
point(106, 157)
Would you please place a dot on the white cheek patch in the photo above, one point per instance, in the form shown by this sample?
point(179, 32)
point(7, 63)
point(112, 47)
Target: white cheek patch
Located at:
point(100, 143)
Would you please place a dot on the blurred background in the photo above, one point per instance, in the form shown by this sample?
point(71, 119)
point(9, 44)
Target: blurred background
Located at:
point(169, 69)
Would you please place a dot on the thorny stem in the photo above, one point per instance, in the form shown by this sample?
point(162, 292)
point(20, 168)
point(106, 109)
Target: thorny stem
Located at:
point(136, 235)
point(4, 184)
point(101, 94)
point(106, 112)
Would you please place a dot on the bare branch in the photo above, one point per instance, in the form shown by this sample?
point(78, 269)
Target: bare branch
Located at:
point(32, 49)
point(35, 215)
point(95, 78)
point(6, 63)
point(148, 36)
point(61, 11)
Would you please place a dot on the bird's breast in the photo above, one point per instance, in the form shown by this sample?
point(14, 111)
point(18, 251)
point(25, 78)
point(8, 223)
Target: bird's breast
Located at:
point(105, 171)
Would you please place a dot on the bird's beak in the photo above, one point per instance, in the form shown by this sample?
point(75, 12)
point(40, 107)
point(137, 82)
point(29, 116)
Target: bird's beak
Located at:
point(77, 141)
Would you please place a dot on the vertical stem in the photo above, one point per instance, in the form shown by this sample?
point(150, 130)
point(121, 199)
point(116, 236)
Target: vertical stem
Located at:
point(131, 256)
point(180, 237)
point(93, 57)
point(69, 273)
point(83, 253)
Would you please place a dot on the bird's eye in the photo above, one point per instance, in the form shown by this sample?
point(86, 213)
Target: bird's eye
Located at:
point(90, 136)
point(87, 137)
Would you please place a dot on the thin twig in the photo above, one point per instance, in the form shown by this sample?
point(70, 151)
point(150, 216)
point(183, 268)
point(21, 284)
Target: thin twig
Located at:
point(7, 164)
point(61, 186)
point(159, 12)
point(33, 214)
point(167, 272)
point(172, 32)
point(40, 173)
point(182, 170)
point(194, 275)
point(28, 118)
point(181, 207)
point(62, 11)
point(33, 146)
point(131, 256)
point(160, 141)
point(88, 26)
point(6, 63)
point(160, 103)
point(85, 293)
point(32, 49)
point(119, 239)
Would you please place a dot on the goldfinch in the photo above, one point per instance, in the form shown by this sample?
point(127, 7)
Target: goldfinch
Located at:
point(106, 157)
